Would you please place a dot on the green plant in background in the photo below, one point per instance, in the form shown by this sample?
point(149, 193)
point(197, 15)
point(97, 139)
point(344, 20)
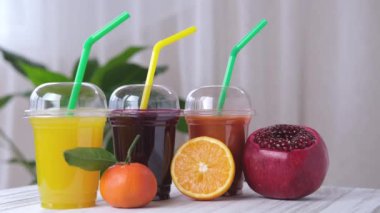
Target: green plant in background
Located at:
point(114, 73)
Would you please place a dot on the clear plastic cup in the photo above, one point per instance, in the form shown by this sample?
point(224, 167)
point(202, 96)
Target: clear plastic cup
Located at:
point(229, 125)
point(156, 125)
point(56, 130)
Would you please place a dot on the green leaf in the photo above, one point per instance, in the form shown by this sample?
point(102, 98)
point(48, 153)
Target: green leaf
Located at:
point(126, 74)
point(25, 94)
point(182, 125)
point(31, 164)
point(15, 60)
point(34, 181)
point(4, 100)
point(107, 139)
point(114, 62)
point(123, 56)
point(92, 66)
point(182, 103)
point(109, 145)
point(38, 75)
point(88, 158)
point(159, 70)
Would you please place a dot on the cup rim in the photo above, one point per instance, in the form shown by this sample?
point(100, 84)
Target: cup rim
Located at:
point(63, 112)
point(216, 112)
point(219, 86)
point(115, 97)
point(169, 89)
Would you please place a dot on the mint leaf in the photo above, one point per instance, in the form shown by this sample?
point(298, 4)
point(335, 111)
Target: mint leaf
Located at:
point(90, 159)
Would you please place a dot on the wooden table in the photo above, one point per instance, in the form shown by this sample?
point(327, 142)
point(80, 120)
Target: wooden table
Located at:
point(326, 199)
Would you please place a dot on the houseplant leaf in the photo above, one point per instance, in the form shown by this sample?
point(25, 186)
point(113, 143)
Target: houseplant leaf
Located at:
point(92, 66)
point(182, 126)
point(29, 163)
point(125, 74)
point(107, 138)
point(114, 62)
point(4, 100)
point(38, 75)
point(14, 60)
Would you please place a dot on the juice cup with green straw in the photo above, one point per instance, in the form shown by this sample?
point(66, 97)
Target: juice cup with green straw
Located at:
point(64, 116)
point(86, 53)
point(151, 111)
point(231, 61)
point(223, 112)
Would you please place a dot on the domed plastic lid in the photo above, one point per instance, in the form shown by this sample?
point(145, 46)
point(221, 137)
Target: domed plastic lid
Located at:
point(204, 101)
point(52, 99)
point(129, 97)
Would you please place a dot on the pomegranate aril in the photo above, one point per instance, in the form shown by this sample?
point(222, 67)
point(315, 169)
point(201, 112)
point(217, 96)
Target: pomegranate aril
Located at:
point(284, 138)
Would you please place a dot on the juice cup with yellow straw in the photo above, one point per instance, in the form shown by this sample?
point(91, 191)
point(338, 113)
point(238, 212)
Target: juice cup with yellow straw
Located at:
point(223, 112)
point(151, 111)
point(154, 58)
point(65, 116)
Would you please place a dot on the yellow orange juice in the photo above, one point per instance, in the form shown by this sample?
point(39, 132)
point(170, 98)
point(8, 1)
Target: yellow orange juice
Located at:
point(62, 186)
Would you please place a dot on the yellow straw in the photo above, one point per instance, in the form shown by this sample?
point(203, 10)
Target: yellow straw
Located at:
point(154, 58)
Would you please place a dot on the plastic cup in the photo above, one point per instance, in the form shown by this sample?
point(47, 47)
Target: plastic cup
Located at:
point(156, 125)
point(230, 125)
point(55, 130)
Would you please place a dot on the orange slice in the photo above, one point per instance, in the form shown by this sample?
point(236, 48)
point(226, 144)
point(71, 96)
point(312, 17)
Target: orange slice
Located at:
point(203, 168)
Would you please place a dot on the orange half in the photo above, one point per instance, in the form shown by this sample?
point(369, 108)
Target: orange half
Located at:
point(203, 168)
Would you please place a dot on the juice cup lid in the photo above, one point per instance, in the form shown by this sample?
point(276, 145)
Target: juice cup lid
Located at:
point(51, 99)
point(204, 101)
point(129, 97)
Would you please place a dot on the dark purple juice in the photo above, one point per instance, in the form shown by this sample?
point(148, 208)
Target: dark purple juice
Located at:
point(156, 146)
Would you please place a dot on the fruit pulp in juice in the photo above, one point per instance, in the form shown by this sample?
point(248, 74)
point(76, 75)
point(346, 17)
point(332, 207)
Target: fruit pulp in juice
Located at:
point(231, 130)
point(156, 148)
point(62, 186)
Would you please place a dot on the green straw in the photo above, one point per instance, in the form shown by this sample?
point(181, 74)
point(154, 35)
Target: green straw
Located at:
point(86, 53)
point(231, 61)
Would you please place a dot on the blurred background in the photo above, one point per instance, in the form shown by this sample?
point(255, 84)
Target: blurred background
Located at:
point(316, 63)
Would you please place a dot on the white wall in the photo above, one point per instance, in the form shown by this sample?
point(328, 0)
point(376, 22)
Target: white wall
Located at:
point(316, 63)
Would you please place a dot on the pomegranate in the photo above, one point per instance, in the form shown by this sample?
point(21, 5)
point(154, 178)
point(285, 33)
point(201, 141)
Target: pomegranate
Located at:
point(285, 161)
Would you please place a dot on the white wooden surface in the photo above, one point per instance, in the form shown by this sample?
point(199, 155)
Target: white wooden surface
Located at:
point(326, 199)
